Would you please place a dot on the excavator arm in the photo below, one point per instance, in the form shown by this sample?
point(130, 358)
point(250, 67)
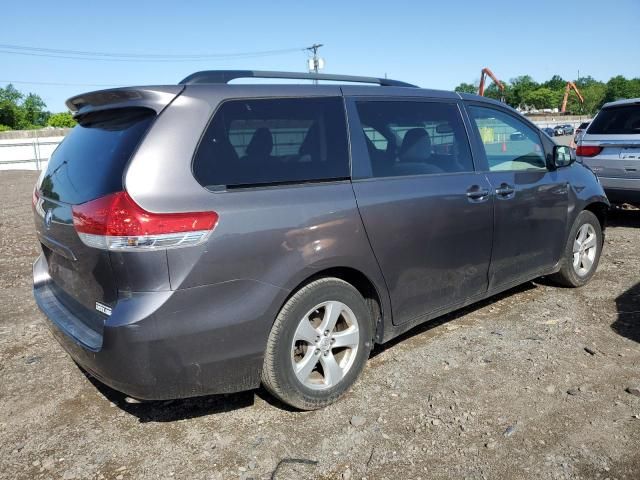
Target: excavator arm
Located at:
point(570, 86)
point(486, 72)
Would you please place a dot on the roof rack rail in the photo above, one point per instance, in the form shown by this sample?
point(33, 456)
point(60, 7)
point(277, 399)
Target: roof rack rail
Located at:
point(225, 76)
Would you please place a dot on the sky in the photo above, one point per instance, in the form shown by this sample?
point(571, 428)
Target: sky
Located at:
point(431, 44)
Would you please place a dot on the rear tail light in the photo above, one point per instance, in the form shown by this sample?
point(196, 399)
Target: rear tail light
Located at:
point(36, 201)
point(588, 150)
point(116, 222)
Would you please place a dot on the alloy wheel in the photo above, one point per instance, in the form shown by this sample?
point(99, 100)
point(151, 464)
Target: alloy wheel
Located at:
point(325, 345)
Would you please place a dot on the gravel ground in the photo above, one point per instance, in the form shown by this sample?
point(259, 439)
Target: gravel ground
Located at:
point(539, 382)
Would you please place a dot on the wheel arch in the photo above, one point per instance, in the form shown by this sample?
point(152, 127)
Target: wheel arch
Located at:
point(600, 210)
point(380, 311)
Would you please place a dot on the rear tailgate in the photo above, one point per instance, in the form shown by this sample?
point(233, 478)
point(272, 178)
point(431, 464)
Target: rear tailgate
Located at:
point(619, 157)
point(87, 165)
point(615, 134)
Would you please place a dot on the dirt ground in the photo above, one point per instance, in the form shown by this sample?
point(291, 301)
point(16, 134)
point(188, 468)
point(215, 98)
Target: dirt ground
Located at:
point(530, 384)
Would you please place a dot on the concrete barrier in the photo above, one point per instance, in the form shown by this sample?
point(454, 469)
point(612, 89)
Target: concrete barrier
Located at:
point(27, 154)
point(29, 134)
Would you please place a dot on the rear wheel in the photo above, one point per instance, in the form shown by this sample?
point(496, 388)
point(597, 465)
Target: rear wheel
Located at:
point(318, 344)
point(582, 252)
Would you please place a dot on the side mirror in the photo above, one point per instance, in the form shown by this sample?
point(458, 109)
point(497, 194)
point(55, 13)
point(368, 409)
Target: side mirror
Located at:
point(563, 156)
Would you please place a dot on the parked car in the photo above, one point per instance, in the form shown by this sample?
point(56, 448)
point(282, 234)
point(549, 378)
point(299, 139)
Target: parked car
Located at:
point(611, 148)
point(579, 131)
point(567, 129)
point(204, 238)
point(558, 130)
point(549, 131)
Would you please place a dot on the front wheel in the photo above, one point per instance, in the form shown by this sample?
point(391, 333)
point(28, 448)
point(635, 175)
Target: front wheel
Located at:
point(582, 252)
point(318, 344)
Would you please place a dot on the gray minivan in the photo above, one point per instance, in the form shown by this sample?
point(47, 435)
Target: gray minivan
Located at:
point(209, 237)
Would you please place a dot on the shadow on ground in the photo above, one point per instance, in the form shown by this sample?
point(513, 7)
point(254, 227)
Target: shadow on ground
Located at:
point(174, 410)
point(628, 322)
point(619, 217)
point(436, 322)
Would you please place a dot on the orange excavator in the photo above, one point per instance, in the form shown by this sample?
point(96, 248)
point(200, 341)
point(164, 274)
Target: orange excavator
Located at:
point(483, 76)
point(570, 86)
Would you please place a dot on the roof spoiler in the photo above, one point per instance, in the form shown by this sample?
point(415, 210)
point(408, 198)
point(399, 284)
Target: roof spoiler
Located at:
point(225, 76)
point(155, 98)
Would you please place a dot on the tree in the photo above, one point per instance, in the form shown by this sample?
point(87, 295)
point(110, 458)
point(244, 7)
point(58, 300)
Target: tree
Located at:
point(593, 94)
point(18, 111)
point(619, 87)
point(466, 88)
point(11, 94)
point(555, 83)
point(587, 81)
point(9, 114)
point(34, 111)
point(542, 97)
point(523, 90)
point(520, 86)
point(61, 120)
point(492, 91)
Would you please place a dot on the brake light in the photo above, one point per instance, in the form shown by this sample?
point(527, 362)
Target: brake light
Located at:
point(116, 222)
point(588, 150)
point(35, 196)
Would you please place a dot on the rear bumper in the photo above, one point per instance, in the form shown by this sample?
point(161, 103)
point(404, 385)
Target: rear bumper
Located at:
point(621, 190)
point(170, 344)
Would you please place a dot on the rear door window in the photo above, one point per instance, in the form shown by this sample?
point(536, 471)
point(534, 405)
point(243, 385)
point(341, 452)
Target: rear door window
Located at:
point(621, 120)
point(273, 141)
point(90, 161)
point(414, 138)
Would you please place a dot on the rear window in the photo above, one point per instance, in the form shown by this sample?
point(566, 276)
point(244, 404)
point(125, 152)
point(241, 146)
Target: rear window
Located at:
point(622, 120)
point(273, 141)
point(90, 161)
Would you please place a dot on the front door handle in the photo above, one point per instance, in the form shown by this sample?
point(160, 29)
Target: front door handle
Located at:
point(476, 193)
point(505, 191)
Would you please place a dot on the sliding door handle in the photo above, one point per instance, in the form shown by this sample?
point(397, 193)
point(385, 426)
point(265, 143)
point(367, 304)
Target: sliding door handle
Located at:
point(505, 190)
point(476, 193)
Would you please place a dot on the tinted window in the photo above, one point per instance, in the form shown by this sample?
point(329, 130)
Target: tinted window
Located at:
point(623, 120)
point(90, 161)
point(509, 143)
point(414, 138)
point(271, 141)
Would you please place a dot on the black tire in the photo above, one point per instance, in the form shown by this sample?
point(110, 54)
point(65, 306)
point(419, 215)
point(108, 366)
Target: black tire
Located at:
point(568, 276)
point(278, 375)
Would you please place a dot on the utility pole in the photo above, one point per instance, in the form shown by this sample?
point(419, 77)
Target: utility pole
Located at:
point(316, 63)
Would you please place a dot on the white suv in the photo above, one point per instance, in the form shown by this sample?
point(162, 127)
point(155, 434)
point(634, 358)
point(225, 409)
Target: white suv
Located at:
point(611, 148)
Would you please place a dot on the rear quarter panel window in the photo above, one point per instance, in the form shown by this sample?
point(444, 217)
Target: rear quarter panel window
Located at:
point(273, 141)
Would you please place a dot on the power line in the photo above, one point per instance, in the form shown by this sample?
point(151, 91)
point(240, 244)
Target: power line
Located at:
point(135, 57)
point(147, 55)
point(140, 60)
